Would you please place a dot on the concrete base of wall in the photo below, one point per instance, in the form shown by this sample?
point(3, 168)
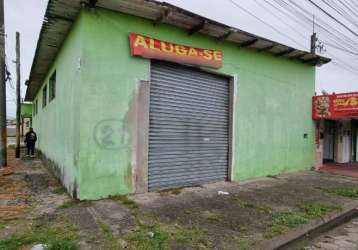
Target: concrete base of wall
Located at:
point(57, 172)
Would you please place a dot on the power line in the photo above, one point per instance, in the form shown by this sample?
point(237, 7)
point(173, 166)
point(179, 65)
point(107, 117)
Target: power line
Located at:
point(262, 21)
point(334, 18)
point(341, 49)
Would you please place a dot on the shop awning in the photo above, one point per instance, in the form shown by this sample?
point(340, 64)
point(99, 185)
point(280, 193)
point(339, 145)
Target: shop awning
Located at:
point(61, 14)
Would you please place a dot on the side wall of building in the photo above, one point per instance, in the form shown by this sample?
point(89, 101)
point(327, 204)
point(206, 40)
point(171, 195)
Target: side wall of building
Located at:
point(57, 124)
point(273, 128)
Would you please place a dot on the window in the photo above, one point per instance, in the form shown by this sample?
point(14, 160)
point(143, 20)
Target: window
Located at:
point(44, 96)
point(36, 106)
point(52, 87)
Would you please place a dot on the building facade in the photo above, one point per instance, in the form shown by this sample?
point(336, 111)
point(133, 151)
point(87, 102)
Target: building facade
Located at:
point(116, 120)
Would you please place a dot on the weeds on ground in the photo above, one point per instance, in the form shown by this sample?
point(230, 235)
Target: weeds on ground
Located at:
point(124, 200)
point(317, 210)
point(190, 235)
point(59, 190)
point(261, 208)
point(174, 191)
point(282, 222)
point(68, 204)
point(110, 239)
point(245, 243)
point(148, 237)
point(60, 245)
point(345, 192)
point(55, 235)
point(75, 203)
point(160, 237)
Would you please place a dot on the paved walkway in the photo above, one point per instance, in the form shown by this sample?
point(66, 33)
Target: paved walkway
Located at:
point(348, 169)
point(344, 237)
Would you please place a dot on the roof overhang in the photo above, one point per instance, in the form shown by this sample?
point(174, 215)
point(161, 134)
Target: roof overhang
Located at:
point(61, 14)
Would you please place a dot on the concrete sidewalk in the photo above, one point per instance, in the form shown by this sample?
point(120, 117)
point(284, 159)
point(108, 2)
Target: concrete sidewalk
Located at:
point(242, 216)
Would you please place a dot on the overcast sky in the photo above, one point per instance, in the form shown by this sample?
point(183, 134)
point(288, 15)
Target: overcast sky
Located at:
point(26, 17)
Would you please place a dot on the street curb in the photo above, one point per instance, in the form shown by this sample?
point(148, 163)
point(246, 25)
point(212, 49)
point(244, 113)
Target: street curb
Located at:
point(311, 229)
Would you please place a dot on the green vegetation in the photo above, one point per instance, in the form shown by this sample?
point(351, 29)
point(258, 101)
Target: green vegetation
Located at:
point(148, 237)
point(344, 191)
point(160, 237)
point(74, 203)
point(54, 236)
point(282, 222)
point(110, 239)
point(59, 190)
point(61, 245)
point(316, 210)
point(193, 236)
point(70, 203)
point(11, 146)
point(211, 216)
point(174, 191)
point(245, 243)
point(125, 201)
point(261, 208)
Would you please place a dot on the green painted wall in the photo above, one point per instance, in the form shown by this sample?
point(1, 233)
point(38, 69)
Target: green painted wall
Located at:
point(57, 124)
point(272, 106)
point(26, 109)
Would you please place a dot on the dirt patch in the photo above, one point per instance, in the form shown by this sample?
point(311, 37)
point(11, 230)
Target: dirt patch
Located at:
point(247, 215)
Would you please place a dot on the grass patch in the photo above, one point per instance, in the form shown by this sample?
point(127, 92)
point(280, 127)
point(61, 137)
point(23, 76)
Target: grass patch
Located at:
point(75, 203)
point(345, 192)
point(70, 203)
point(11, 147)
point(41, 233)
point(59, 190)
point(60, 245)
point(174, 191)
point(193, 236)
point(245, 243)
point(211, 216)
point(110, 239)
point(125, 201)
point(148, 237)
point(245, 204)
point(162, 237)
point(282, 222)
point(317, 210)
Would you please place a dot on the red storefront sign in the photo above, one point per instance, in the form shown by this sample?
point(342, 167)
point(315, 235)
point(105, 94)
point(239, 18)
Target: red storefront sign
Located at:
point(148, 47)
point(336, 106)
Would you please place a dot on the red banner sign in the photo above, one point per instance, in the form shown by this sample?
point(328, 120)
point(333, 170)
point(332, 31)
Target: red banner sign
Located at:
point(148, 47)
point(336, 106)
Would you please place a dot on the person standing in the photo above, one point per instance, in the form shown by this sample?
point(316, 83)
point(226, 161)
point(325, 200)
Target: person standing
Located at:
point(30, 140)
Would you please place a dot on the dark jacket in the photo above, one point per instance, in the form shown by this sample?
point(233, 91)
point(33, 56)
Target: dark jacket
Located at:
point(30, 137)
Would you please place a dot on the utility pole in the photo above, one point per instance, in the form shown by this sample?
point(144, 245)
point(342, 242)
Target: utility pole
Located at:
point(3, 134)
point(313, 37)
point(18, 94)
point(313, 43)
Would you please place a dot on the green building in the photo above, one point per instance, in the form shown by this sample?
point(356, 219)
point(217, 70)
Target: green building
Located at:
point(137, 96)
point(26, 117)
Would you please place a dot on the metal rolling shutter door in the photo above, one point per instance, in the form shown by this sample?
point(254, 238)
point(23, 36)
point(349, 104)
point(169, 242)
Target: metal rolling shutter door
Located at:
point(189, 127)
